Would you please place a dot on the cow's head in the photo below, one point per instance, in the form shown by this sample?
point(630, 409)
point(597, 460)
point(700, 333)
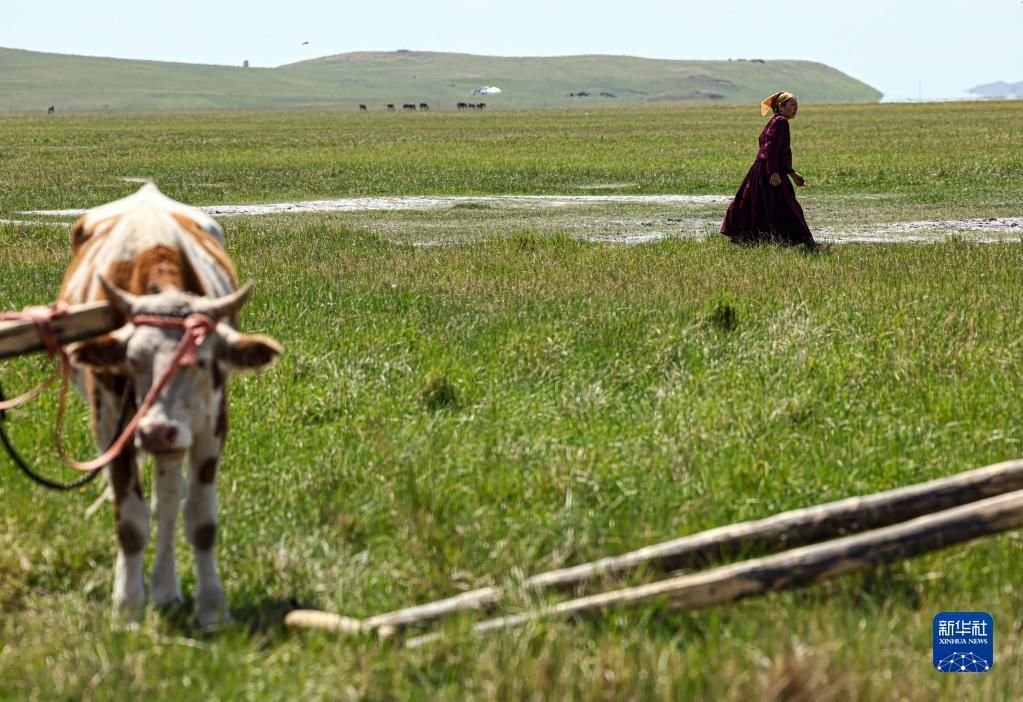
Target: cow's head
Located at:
point(192, 404)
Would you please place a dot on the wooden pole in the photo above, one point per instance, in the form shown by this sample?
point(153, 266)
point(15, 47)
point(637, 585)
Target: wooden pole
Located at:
point(796, 567)
point(324, 621)
point(81, 322)
point(788, 529)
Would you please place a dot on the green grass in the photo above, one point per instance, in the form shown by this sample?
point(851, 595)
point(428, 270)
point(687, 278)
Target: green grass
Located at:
point(900, 156)
point(33, 81)
point(451, 417)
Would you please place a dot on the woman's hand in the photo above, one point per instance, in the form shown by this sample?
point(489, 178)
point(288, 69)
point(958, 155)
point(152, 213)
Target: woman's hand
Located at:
point(799, 180)
point(775, 180)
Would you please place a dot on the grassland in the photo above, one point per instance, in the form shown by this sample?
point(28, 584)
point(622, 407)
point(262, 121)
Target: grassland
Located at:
point(33, 81)
point(888, 156)
point(593, 405)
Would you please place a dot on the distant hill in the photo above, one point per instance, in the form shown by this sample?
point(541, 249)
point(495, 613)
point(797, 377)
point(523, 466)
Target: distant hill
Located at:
point(33, 81)
point(998, 89)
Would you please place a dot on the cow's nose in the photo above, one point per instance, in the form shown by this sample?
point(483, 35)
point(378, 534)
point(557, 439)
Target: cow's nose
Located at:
point(159, 437)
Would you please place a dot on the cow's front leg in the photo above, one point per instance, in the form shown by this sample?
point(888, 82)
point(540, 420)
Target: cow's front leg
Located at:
point(131, 516)
point(166, 589)
point(201, 530)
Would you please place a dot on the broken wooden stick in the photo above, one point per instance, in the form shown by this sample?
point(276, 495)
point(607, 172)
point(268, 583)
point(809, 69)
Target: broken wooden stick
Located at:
point(793, 568)
point(20, 337)
point(788, 529)
point(324, 621)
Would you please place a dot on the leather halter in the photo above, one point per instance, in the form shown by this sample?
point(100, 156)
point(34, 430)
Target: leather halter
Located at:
point(196, 327)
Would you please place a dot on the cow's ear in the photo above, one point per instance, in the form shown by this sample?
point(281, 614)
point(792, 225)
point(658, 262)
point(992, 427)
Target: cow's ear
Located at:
point(104, 352)
point(246, 351)
point(79, 234)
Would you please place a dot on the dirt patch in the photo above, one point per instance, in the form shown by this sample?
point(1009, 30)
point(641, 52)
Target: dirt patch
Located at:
point(985, 224)
point(28, 223)
point(989, 229)
point(625, 238)
point(426, 202)
point(597, 218)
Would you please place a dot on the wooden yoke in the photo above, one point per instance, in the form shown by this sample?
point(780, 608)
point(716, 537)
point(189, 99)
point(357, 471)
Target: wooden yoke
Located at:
point(21, 337)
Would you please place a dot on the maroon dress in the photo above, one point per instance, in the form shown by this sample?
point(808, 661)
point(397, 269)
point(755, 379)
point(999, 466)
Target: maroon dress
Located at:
point(760, 211)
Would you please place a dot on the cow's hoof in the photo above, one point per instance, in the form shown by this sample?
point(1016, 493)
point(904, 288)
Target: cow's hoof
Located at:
point(164, 586)
point(172, 604)
point(211, 606)
point(167, 598)
point(214, 620)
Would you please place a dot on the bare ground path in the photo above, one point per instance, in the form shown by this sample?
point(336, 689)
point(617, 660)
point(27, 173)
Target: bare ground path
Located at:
point(627, 219)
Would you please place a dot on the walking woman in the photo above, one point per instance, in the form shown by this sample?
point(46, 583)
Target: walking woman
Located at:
point(765, 208)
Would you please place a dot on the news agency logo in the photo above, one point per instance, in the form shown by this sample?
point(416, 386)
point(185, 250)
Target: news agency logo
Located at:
point(964, 642)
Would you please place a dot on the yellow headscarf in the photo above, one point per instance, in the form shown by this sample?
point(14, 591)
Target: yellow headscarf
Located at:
point(773, 101)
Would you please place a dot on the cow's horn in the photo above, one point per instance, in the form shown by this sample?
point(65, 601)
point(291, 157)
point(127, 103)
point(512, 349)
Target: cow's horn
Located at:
point(229, 304)
point(123, 301)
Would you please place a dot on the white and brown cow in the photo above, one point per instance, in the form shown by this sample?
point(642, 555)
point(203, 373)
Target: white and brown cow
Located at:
point(150, 255)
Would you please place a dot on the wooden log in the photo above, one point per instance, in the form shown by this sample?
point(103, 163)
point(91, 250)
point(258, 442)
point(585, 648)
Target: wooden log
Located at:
point(81, 322)
point(324, 621)
point(793, 568)
point(787, 529)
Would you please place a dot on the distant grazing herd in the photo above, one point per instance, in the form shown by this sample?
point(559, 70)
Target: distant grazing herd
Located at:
point(424, 107)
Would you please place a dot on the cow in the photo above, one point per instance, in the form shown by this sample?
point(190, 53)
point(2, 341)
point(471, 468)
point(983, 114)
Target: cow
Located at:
point(409, 107)
point(362, 108)
point(153, 257)
point(425, 107)
point(51, 110)
point(390, 107)
point(462, 106)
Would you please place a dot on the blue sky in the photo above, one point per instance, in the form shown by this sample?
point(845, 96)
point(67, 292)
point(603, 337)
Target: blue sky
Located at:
point(906, 49)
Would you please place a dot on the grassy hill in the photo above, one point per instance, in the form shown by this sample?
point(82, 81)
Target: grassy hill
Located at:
point(33, 81)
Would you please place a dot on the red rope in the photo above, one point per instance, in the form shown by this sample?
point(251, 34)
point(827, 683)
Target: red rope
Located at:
point(43, 317)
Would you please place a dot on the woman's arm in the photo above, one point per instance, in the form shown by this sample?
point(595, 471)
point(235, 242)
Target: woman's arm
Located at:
point(779, 156)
